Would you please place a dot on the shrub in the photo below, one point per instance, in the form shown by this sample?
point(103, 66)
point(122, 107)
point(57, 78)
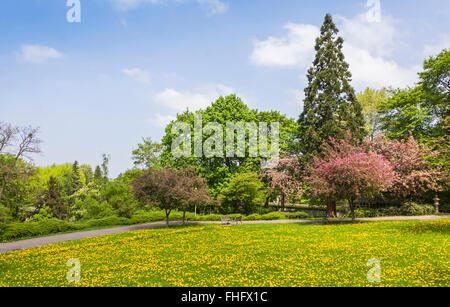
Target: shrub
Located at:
point(45, 213)
point(210, 217)
point(297, 215)
point(273, 216)
point(141, 216)
point(262, 210)
point(5, 217)
point(16, 231)
point(252, 217)
point(91, 208)
point(121, 199)
point(408, 209)
point(242, 195)
point(108, 221)
point(412, 209)
point(364, 212)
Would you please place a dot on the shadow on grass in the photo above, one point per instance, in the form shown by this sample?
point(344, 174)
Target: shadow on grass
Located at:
point(424, 227)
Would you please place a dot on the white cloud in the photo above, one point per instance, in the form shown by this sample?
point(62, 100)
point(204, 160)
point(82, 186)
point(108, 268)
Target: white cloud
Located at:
point(376, 37)
point(161, 121)
point(294, 49)
point(368, 70)
point(179, 101)
point(296, 97)
point(137, 74)
point(443, 43)
point(212, 7)
point(367, 48)
point(132, 4)
point(37, 53)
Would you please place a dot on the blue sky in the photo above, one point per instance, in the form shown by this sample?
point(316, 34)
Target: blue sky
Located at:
point(126, 70)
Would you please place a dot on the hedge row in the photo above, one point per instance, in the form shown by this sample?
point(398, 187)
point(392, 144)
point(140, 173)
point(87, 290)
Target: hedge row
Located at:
point(408, 209)
point(17, 231)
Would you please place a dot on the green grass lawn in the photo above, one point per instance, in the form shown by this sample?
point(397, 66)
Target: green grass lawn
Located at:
point(412, 253)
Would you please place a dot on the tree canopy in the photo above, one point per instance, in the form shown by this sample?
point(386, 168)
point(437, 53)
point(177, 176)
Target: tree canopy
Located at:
point(219, 170)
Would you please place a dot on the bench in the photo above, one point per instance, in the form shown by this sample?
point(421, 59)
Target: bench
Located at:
point(226, 220)
point(238, 220)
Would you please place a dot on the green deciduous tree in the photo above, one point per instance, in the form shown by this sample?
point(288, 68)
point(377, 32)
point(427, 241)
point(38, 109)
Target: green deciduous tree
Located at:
point(120, 197)
point(27, 143)
point(424, 111)
point(170, 189)
point(219, 170)
point(69, 180)
point(86, 169)
point(147, 154)
point(405, 113)
point(242, 195)
point(435, 82)
point(19, 193)
point(371, 100)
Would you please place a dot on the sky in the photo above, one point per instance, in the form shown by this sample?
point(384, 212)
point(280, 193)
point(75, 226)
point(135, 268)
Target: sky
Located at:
point(125, 71)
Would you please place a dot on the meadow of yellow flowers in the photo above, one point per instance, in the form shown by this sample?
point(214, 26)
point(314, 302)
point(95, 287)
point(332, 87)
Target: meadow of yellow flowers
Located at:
point(411, 253)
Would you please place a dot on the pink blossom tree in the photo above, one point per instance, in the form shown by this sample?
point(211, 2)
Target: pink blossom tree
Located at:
point(284, 180)
point(414, 175)
point(348, 172)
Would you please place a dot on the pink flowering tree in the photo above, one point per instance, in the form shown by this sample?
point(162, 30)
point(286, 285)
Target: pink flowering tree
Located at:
point(348, 172)
point(414, 175)
point(283, 179)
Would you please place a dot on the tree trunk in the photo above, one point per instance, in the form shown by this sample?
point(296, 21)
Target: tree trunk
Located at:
point(266, 204)
point(282, 202)
point(6, 177)
point(352, 209)
point(167, 217)
point(3, 188)
point(331, 209)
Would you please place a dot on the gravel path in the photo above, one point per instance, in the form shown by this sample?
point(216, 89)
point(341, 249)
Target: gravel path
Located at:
point(30, 243)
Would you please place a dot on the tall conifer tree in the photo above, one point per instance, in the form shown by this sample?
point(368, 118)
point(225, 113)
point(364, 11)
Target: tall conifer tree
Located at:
point(76, 178)
point(330, 106)
point(52, 198)
point(98, 173)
